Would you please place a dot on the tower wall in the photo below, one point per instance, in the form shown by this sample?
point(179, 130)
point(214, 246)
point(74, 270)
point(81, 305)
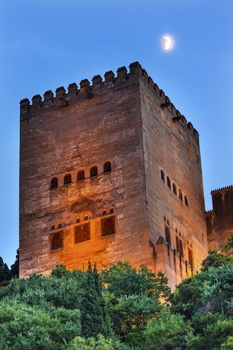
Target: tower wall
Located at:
point(172, 158)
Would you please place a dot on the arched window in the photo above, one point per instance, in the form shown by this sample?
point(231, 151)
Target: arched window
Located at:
point(57, 241)
point(94, 171)
point(67, 179)
point(174, 189)
point(186, 201)
point(180, 195)
point(54, 183)
point(168, 182)
point(107, 167)
point(162, 175)
point(81, 175)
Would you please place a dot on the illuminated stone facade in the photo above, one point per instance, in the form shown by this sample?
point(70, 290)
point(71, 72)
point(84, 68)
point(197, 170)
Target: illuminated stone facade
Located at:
point(110, 172)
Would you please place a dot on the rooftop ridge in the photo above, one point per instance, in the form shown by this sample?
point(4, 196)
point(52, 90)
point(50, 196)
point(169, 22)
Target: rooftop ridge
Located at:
point(63, 97)
point(225, 188)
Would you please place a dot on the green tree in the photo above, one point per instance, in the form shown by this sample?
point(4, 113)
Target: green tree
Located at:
point(123, 279)
point(211, 332)
point(15, 267)
point(4, 271)
point(166, 332)
point(94, 318)
point(228, 247)
point(215, 259)
point(29, 328)
point(99, 343)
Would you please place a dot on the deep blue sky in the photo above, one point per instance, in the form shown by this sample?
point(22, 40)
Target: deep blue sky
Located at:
point(49, 43)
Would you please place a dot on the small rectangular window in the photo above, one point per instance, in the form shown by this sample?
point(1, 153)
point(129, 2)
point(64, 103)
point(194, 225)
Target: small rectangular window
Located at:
point(82, 232)
point(108, 226)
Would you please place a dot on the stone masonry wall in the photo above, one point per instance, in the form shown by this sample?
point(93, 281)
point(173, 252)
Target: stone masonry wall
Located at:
point(171, 145)
point(71, 132)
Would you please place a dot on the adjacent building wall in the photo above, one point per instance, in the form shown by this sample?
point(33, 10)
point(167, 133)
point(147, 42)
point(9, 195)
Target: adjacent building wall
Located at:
point(220, 219)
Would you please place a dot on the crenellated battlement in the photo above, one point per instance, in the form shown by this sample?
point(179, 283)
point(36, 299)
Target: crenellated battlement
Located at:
point(98, 85)
point(86, 89)
point(223, 189)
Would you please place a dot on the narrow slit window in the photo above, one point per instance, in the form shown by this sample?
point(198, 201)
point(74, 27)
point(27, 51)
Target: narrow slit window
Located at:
point(186, 201)
point(190, 257)
point(162, 175)
point(167, 235)
point(180, 195)
point(174, 189)
point(179, 246)
point(168, 182)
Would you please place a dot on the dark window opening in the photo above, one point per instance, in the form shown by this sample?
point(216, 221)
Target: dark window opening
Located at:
point(94, 171)
point(186, 201)
point(57, 241)
point(78, 220)
point(111, 210)
point(179, 246)
point(104, 212)
point(167, 235)
point(190, 256)
point(174, 189)
point(86, 217)
point(162, 175)
point(107, 167)
point(180, 195)
point(67, 179)
point(82, 233)
point(81, 175)
point(108, 226)
point(168, 182)
point(54, 183)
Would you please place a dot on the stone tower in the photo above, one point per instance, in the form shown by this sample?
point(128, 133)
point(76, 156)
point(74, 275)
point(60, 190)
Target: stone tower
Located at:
point(109, 172)
point(220, 219)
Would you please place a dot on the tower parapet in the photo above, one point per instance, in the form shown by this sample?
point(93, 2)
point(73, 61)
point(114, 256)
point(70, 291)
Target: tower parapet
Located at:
point(98, 85)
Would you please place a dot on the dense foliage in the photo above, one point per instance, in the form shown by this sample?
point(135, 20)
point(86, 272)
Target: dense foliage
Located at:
point(5, 273)
point(119, 309)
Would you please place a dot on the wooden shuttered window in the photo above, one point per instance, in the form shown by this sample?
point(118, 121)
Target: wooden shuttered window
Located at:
point(108, 226)
point(82, 232)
